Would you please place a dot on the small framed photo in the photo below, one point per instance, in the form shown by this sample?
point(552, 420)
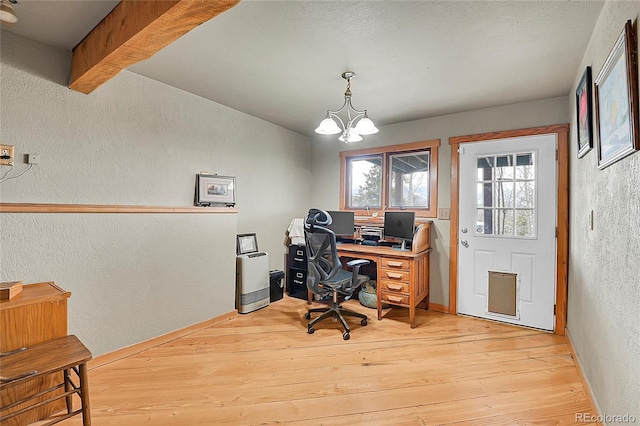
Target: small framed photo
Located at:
point(246, 243)
point(214, 190)
point(616, 96)
point(583, 108)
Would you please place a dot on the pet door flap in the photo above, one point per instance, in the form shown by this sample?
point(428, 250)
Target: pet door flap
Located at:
point(502, 293)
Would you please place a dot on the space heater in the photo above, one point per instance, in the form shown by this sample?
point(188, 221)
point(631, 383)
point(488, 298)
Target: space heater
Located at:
point(252, 282)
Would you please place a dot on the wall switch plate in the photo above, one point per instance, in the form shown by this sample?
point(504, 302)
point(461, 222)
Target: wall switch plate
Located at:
point(7, 154)
point(444, 214)
point(33, 158)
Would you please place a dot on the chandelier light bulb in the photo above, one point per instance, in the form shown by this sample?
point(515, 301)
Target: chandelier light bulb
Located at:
point(350, 136)
point(365, 126)
point(328, 126)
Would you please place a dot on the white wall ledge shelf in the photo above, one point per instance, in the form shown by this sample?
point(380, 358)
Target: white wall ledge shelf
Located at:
point(99, 208)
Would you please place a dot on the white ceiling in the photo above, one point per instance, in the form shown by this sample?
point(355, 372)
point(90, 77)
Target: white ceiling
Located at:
point(282, 60)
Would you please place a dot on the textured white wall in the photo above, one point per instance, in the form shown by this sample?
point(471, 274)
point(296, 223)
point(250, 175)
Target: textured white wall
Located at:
point(132, 276)
point(326, 162)
point(136, 141)
point(604, 264)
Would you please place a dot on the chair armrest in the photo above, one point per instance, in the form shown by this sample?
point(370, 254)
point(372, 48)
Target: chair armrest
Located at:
point(355, 268)
point(357, 262)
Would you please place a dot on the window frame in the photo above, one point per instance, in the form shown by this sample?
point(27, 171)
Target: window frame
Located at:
point(428, 145)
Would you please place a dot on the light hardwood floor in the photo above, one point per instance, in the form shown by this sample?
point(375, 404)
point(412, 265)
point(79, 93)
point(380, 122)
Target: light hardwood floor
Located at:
point(263, 368)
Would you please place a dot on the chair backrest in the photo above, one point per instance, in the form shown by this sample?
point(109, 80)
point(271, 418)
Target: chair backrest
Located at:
point(322, 255)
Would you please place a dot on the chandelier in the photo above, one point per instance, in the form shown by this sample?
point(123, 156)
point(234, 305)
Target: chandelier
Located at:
point(6, 11)
point(350, 133)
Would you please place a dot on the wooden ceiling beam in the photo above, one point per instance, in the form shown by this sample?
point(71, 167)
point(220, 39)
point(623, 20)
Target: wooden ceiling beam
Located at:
point(134, 31)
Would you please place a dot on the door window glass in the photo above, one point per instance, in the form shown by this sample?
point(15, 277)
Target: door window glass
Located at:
point(506, 195)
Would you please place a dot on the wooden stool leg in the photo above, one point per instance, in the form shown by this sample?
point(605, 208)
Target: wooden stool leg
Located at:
point(67, 388)
point(84, 395)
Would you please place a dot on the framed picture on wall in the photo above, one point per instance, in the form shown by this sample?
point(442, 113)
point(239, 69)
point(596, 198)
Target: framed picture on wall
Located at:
point(214, 190)
point(616, 96)
point(583, 108)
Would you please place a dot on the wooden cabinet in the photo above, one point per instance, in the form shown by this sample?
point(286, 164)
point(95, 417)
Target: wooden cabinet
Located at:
point(403, 277)
point(37, 314)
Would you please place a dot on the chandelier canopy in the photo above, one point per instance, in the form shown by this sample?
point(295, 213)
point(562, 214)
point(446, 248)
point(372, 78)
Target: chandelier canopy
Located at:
point(359, 124)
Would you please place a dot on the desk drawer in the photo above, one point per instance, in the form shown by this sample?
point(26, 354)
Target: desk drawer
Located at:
point(395, 298)
point(395, 264)
point(393, 275)
point(394, 287)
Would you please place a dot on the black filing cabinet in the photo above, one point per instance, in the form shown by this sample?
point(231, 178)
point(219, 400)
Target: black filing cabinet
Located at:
point(297, 272)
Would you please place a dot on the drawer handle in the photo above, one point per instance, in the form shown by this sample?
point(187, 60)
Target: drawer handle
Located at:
point(395, 287)
point(298, 260)
point(394, 275)
point(298, 282)
point(299, 253)
point(394, 264)
point(394, 298)
point(299, 275)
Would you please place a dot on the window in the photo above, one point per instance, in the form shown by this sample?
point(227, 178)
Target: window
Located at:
point(506, 195)
point(397, 177)
point(409, 179)
point(365, 181)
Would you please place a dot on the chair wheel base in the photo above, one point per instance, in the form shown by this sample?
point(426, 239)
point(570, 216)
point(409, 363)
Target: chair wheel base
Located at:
point(335, 313)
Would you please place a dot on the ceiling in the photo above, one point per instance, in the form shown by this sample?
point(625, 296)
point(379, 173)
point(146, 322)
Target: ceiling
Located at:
point(282, 60)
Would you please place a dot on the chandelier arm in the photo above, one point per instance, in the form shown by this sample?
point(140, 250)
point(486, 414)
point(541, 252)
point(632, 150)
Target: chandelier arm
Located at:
point(334, 115)
point(356, 110)
point(340, 109)
point(357, 116)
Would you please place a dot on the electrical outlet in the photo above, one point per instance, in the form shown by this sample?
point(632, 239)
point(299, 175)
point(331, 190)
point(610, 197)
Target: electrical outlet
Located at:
point(7, 154)
point(33, 158)
point(444, 214)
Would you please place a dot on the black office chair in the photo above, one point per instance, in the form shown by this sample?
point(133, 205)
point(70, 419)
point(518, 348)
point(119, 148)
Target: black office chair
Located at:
point(325, 275)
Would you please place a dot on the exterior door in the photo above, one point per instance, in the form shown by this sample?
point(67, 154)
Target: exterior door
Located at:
point(507, 219)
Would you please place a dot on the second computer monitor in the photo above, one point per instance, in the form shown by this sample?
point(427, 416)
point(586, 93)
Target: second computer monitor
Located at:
point(343, 223)
point(399, 225)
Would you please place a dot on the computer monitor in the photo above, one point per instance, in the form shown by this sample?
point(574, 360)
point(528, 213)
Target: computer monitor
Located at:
point(343, 223)
point(399, 225)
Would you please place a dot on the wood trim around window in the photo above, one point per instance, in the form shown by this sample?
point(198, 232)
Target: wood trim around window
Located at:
point(432, 145)
point(562, 241)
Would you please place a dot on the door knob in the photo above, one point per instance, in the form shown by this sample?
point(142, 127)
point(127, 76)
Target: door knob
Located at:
point(464, 243)
point(464, 230)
